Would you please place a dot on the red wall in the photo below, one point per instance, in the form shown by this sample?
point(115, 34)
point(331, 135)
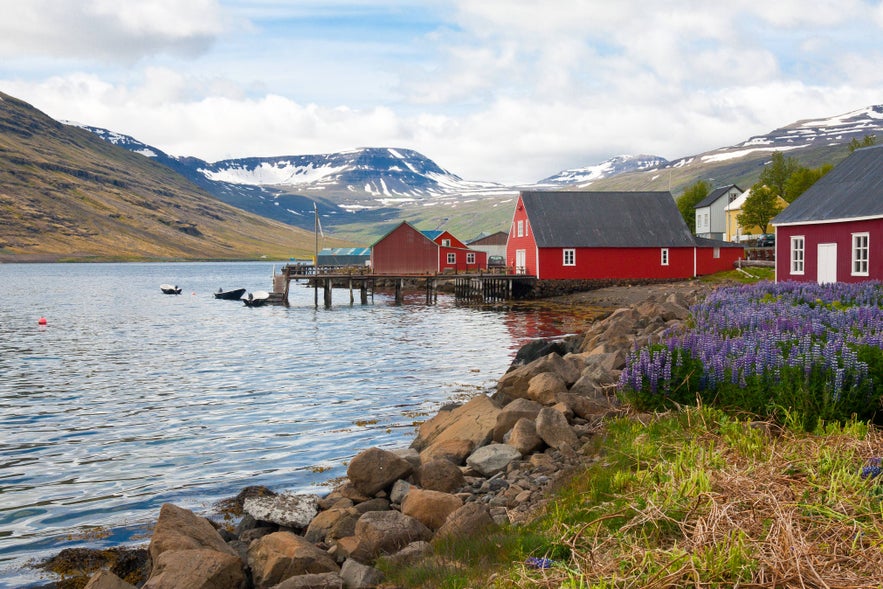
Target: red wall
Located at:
point(455, 243)
point(460, 265)
point(404, 250)
point(706, 263)
point(839, 233)
point(521, 243)
point(614, 263)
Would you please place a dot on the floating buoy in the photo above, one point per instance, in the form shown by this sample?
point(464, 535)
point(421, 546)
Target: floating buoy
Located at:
point(41, 321)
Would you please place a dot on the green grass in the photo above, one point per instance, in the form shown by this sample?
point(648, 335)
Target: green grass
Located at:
point(691, 498)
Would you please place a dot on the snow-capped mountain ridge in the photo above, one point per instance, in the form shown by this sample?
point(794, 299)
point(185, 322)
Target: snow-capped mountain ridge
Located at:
point(615, 165)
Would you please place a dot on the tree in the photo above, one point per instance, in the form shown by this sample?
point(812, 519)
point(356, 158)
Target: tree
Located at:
point(802, 179)
point(867, 141)
point(760, 207)
point(776, 174)
point(687, 202)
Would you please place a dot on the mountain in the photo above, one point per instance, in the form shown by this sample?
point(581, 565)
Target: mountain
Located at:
point(620, 164)
point(67, 195)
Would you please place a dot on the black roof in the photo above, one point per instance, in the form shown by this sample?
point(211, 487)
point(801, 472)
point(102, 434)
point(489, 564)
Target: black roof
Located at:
point(853, 189)
point(606, 219)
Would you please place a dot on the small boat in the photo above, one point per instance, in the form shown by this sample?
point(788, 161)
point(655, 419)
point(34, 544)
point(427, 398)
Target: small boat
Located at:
point(230, 295)
point(170, 289)
point(256, 299)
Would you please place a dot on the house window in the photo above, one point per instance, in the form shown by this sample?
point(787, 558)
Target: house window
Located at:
point(570, 257)
point(452, 258)
point(470, 258)
point(664, 254)
point(860, 254)
point(716, 253)
point(446, 243)
point(797, 247)
point(520, 228)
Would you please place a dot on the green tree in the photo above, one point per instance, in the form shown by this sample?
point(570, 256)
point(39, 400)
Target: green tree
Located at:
point(759, 208)
point(803, 178)
point(687, 202)
point(867, 141)
point(776, 174)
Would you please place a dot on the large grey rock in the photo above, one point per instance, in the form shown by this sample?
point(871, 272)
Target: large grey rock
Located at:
point(281, 555)
point(375, 469)
point(292, 511)
point(385, 532)
point(356, 575)
point(511, 413)
point(553, 428)
point(493, 458)
point(410, 554)
point(196, 569)
point(312, 581)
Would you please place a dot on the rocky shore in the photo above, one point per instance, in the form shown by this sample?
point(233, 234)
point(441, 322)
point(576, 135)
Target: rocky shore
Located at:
point(486, 462)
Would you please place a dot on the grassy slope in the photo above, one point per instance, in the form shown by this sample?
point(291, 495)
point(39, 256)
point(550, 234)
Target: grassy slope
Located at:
point(67, 195)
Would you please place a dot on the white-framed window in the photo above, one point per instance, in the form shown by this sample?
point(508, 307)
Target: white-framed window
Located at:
point(520, 228)
point(569, 257)
point(452, 258)
point(663, 256)
point(797, 254)
point(860, 251)
point(470, 258)
point(716, 253)
point(446, 243)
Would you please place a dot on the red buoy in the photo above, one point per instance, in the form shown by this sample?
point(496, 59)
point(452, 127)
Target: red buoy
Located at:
point(41, 321)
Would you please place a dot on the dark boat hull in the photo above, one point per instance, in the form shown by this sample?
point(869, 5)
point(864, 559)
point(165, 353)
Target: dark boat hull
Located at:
point(230, 295)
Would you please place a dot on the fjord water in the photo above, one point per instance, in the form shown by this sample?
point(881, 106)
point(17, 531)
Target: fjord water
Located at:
point(128, 398)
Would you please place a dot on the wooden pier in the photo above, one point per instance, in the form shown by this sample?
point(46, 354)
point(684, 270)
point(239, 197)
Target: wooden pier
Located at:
point(480, 288)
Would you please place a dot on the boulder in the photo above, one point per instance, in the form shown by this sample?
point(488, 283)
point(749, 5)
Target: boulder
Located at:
point(511, 413)
point(409, 454)
point(373, 470)
point(440, 475)
point(332, 524)
point(399, 489)
point(514, 384)
point(469, 520)
point(473, 421)
point(431, 508)
point(356, 575)
point(180, 529)
point(107, 580)
point(524, 438)
point(386, 532)
point(196, 569)
point(553, 428)
point(281, 555)
point(587, 407)
point(545, 387)
point(410, 554)
point(493, 458)
point(455, 450)
point(291, 511)
point(312, 581)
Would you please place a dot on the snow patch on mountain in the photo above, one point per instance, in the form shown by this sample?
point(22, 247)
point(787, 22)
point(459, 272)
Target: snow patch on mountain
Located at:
point(616, 165)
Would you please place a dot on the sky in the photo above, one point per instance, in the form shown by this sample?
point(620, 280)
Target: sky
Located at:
point(509, 91)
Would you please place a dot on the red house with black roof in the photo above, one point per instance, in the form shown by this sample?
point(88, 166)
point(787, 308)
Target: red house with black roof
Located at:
point(406, 250)
point(609, 236)
point(833, 232)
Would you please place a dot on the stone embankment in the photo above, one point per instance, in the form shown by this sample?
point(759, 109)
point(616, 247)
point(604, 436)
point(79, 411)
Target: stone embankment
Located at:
point(486, 462)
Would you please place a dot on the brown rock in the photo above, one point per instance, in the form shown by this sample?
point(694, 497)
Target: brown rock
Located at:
point(553, 428)
point(374, 469)
point(320, 528)
point(469, 520)
point(440, 475)
point(514, 384)
point(281, 555)
point(473, 421)
point(196, 569)
point(544, 388)
point(524, 438)
point(181, 529)
point(385, 532)
point(107, 580)
point(312, 581)
point(454, 450)
point(431, 508)
point(511, 413)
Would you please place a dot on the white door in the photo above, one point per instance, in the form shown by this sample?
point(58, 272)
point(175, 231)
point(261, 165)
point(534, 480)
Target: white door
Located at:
point(520, 261)
point(827, 271)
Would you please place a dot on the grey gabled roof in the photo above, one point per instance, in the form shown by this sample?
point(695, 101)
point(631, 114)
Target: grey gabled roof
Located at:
point(715, 194)
point(852, 190)
point(606, 219)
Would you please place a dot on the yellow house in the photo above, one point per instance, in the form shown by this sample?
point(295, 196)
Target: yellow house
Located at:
point(734, 231)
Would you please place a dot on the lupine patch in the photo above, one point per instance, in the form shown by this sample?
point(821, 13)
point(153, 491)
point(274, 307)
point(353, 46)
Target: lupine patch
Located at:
point(808, 349)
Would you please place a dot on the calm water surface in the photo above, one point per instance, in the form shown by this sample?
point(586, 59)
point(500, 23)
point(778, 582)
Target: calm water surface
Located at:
point(129, 398)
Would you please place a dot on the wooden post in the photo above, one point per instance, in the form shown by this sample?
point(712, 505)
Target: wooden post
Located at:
point(327, 284)
point(363, 292)
point(400, 298)
point(352, 300)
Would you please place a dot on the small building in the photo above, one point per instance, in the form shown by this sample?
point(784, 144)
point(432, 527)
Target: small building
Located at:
point(340, 257)
point(609, 236)
point(833, 232)
point(734, 230)
point(711, 219)
point(493, 244)
point(406, 250)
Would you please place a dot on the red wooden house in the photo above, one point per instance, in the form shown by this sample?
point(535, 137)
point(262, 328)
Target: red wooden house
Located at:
point(833, 232)
point(405, 250)
point(609, 235)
